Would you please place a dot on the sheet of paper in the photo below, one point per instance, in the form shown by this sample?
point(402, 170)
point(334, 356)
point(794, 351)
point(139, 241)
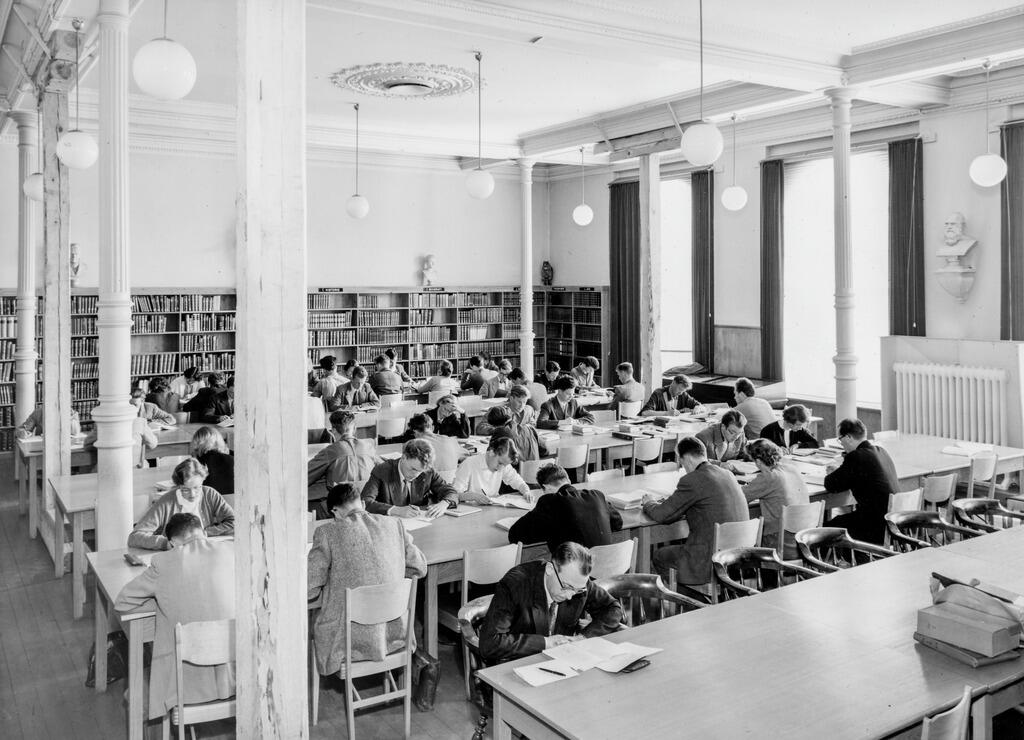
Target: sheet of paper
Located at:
point(512, 500)
point(463, 510)
point(585, 654)
point(412, 525)
point(631, 652)
point(541, 674)
point(743, 467)
point(226, 423)
point(507, 522)
point(390, 456)
point(633, 499)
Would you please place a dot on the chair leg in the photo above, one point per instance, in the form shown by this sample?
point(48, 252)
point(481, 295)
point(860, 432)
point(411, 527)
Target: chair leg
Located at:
point(467, 672)
point(350, 712)
point(314, 685)
point(407, 699)
point(165, 727)
point(192, 729)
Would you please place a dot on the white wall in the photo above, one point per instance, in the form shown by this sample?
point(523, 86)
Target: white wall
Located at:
point(579, 254)
point(737, 241)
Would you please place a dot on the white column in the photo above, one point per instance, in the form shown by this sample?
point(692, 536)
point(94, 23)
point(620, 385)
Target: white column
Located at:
point(270, 444)
point(845, 360)
point(25, 356)
point(114, 413)
point(526, 287)
point(650, 272)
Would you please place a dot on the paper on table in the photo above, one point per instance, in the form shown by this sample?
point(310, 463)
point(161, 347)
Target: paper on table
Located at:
point(413, 524)
point(630, 653)
point(507, 522)
point(226, 423)
point(463, 510)
point(743, 467)
point(390, 456)
point(512, 500)
point(584, 654)
point(534, 676)
point(633, 499)
point(816, 477)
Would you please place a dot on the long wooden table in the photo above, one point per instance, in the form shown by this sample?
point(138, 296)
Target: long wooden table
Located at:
point(830, 657)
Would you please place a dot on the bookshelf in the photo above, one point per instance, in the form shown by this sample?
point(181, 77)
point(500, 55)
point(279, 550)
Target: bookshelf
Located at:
point(576, 325)
point(8, 345)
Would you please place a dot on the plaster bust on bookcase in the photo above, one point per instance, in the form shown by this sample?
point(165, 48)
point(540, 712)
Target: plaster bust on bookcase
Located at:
point(430, 276)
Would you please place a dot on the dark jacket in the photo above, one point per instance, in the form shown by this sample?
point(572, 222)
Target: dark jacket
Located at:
point(867, 472)
point(454, 425)
point(776, 434)
point(168, 401)
point(221, 467)
point(551, 413)
point(209, 404)
point(706, 497)
point(527, 442)
point(661, 401)
point(472, 381)
point(384, 489)
point(568, 515)
point(517, 620)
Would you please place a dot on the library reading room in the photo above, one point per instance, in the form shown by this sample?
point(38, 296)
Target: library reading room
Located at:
point(502, 369)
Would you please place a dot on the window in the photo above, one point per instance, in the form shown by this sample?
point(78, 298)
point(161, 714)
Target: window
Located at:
point(676, 274)
point(809, 329)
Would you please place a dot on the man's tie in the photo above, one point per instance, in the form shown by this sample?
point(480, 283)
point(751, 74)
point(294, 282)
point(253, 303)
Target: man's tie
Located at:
point(406, 493)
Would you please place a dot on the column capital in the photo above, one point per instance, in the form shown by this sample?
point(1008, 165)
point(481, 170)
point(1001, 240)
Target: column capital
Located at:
point(526, 169)
point(24, 119)
point(113, 13)
point(841, 94)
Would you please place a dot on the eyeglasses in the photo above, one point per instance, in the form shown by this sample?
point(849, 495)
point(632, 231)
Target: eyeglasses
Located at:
point(567, 589)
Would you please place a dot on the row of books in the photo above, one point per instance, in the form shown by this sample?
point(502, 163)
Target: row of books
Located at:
point(7, 416)
point(84, 346)
point(6, 394)
point(83, 325)
point(452, 300)
point(208, 322)
point(482, 315)
point(84, 303)
point(204, 342)
point(382, 336)
point(149, 324)
point(85, 388)
point(475, 333)
point(85, 368)
point(332, 338)
point(161, 363)
point(210, 362)
point(430, 334)
point(381, 318)
point(6, 372)
point(329, 320)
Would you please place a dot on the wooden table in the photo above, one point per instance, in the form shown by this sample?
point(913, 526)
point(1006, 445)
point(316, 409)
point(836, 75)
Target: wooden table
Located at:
point(830, 657)
point(925, 452)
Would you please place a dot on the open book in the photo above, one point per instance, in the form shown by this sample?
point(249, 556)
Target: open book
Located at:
point(628, 500)
point(512, 500)
point(596, 652)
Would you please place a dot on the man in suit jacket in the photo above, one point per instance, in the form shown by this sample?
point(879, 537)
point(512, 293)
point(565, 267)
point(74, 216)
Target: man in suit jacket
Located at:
point(357, 549)
point(498, 386)
point(867, 472)
point(758, 412)
point(563, 405)
point(354, 394)
point(472, 377)
point(401, 487)
point(706, 496)
point(211, 404)
point(566, 514)
point(671, 399)
point(538, 605)
point(345, 459)
point(790, 432)
point(192, 582)
point(628, 390)
point(585, 370)
point(724, 441)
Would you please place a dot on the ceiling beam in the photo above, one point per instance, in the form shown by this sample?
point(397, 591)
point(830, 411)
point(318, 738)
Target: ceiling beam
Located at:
point(920, 94)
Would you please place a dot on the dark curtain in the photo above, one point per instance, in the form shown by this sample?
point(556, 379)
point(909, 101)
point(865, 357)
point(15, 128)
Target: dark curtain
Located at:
point(772, 200)
point(906, 238)
point(624, 249)
point(703, 228)
point(1012, 242)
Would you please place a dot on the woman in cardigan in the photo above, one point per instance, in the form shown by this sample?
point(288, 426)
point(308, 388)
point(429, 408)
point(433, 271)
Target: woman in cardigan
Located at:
point(790, 433)
point(775, 486)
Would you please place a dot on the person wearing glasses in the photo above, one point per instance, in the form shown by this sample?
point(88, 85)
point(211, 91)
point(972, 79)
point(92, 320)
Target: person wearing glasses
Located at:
point(538, 605)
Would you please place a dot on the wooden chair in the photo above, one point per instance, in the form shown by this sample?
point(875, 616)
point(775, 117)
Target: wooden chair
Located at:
point(528, 471)
point(728, 536)
point(637, 591)
point(484, 568)
point(202, 644)
point(434, 396)
point(614, 559)
point(390, 428)
point(906, 501)
point(169, 462)
point(660, 467)
point(395, 401)
point(914, 530)
point(646, 450)
point(629, 409)
point(741, 571)
point(470, 616)
point(939, 490)
point(574, 457)
point(796, 517)
point(373, 605)
point(471, 405)
point(951, 724)
point(983, 472)
point(610, 474)
point(829, 549)
point(985, 514)
point(316, 420)
point(603, 416)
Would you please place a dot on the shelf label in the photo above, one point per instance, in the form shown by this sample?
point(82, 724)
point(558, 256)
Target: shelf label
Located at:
point(433, 289)
point(330, 290)
point(559, 289)
point(589, 290)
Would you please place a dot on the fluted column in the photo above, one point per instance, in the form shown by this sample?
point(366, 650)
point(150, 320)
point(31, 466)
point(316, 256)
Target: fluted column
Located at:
point(25, 356)
point(526, 287)
point(114, 413)
point(845, 359)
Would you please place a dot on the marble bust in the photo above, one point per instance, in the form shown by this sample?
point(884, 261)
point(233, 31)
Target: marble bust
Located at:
point(955, 277)
point(430, 276)
point(957, 243)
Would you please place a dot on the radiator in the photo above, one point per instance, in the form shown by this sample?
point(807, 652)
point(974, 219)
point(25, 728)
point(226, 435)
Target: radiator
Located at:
point(967, 403)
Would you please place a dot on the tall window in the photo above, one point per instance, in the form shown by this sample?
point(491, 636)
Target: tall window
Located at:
point(676, 274)
point(809, 330)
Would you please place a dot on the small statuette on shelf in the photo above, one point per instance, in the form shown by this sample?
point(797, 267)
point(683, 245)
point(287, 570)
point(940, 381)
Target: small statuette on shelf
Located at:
point(547, 273)
point(429, 270)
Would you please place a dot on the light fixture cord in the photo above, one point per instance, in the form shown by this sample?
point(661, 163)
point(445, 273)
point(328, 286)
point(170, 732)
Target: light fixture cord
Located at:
point(39, 133)
point(479, 111)
point(165, 18)
point(733, 148)
point(583, 180)
point(701, 23)
point(988, 139)
point(78, 88)
point(356, 106)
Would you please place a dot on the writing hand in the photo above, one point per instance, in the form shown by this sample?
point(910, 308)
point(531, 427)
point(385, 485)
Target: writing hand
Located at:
point(435, 510)
point(406, 512)
point(555, 640)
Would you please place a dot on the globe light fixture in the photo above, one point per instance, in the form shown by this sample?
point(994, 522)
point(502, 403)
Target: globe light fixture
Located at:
point(33, 185)
point(479, 182)
point(163, 68)
point(357, 206)
point(75, 148)
point(582, 214)
point(702, 142)
point(987, 170)
point(734, 197)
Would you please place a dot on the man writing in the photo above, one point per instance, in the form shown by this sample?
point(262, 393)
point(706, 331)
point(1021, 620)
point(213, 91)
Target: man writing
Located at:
point(538, 605)
point(670, 400)
point(562, 406)
point(409, 487)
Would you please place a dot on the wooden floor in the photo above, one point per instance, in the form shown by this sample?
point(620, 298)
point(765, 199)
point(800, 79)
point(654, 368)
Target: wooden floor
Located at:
point(44, 656)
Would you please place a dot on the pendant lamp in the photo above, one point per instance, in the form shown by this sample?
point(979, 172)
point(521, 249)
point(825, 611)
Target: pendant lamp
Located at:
point(702, 142)
point(582, 214)
point(164, 69)
point(479, 182)
point(987, 170)
point(33, 185)
point(358, 206)
point(734, 197)
point(75, 148)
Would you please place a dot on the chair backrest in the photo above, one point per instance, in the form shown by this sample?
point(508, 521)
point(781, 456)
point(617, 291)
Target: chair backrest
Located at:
point(741, 570)
point(314, 525)
point(630, 408)
point(938, 489)
point(730, 535)
point(614, 559)
point(528, 470)
point(471, 405)
point(488, 565)
point(169, 462)
point(648, 449)
point(574, 456)
point(640, 590)
point(394, 401)
point(983, 466)
point(205, 643)
point(379, 604)
point(434, 396)
point(391, 427)
point(985, 514)
point(314, 408)
point(829, 549)
point(664, 467)
point(951, 724)
point(886, 436)
point(796, 517)
point(610, 474)
point(604, 416)
point(906, 501)
point(915, 530)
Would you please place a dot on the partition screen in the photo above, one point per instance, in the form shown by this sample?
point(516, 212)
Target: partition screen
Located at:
point(809, 331)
